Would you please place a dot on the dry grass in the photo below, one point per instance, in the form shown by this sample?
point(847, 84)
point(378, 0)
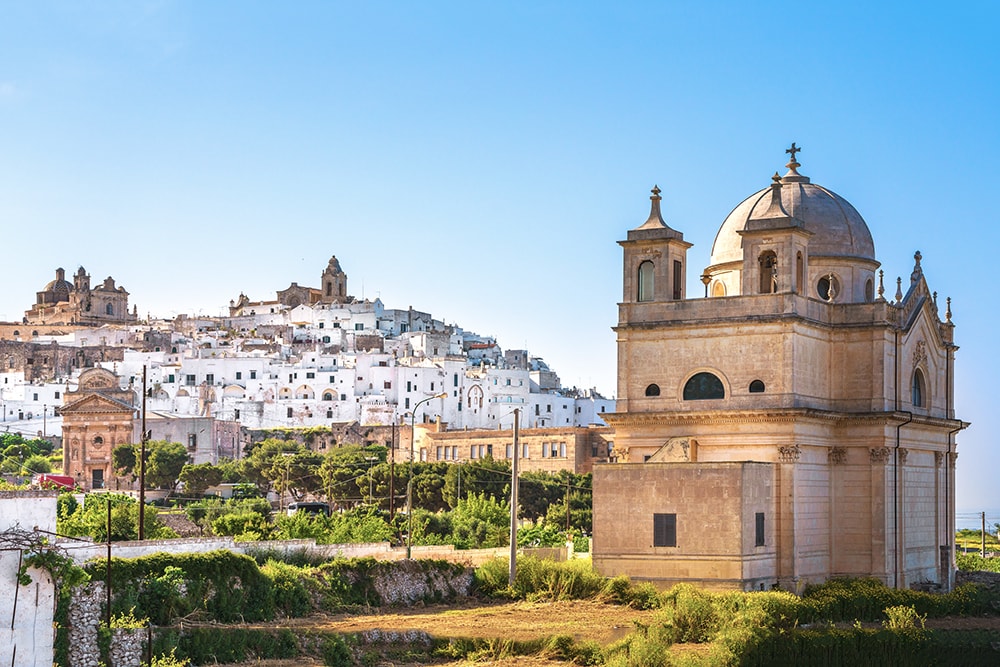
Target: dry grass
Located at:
point(584, 620)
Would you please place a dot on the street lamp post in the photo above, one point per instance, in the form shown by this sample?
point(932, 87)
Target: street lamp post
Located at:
point(409, 479)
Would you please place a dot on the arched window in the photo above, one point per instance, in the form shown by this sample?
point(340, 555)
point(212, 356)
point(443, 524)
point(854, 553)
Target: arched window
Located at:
point(653, 390)
point(799, 272)
point(702, 386)
point(98, 440)
point(718, 288)
point(646, 281)
point(327, 396)
point(869, 291)
point(756, 387)
point(768, 272)
point(828, 287)
point(919, 389)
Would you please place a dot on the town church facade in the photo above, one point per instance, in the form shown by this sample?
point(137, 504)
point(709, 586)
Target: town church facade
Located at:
point(793, 425)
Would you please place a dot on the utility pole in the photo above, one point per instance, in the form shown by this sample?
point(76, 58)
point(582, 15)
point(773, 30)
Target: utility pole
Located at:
point(513, 503)
point(142, 461)
point(982, 534)
point(392, 470)
point(567, 504)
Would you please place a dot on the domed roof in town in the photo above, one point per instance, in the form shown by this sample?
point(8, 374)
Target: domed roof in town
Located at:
point(837, 227)
point(60, 286)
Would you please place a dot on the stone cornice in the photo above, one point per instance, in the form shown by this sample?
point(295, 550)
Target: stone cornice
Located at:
point(774, 415)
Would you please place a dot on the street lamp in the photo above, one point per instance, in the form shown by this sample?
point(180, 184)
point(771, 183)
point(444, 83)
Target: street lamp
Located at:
point(409, 478)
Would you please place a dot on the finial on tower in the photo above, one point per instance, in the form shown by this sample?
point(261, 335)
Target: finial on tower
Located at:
point(881, 285)
point(917, 271)
point(947, 313)
point(899, 289)
point(655, 217)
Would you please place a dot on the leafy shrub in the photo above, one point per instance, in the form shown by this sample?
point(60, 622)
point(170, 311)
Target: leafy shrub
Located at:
point(539, 579)
point(223, 585)
point(168, 660)
point(865, 599)
point(902, 617)
point(620, 590)
point(689, 615)
point(976, 563)
point(290, 595)
point(335, 652)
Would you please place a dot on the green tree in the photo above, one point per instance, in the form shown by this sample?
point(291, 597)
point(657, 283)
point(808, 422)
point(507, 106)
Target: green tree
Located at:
point(197, 478)
point(339, 473)
point(296, 472)
point(124, 459)
point(258, 466)
point(484, 476)
point(480, 522)
point(37, 464)
point(246, 526)
point(537, 491)
point(429, 480)
point(91, 519)
point(164, 462)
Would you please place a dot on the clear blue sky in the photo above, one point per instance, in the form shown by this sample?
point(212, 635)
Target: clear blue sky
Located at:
point(480, 160)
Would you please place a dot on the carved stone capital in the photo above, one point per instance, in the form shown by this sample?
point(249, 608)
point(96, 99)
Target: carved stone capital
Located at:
point(837, 456)
point(880, 455)
point(903, 453)
point(954, 457)
point(789, 454)
point(938, 458)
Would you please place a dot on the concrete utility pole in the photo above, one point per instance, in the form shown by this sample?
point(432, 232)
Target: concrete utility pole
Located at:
point(392, 471)
point(513, 503)
point(142, 461)
point(982, 534)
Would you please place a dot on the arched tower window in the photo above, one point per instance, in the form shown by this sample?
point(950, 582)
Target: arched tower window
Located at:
point(645, 281)
point(109, 309)
point(799, 272)
point(756, 387)
point(919, 389)
point(702, 386)
point(869, 291)
point(718, 288)
point(653, 390)
point(768, 272)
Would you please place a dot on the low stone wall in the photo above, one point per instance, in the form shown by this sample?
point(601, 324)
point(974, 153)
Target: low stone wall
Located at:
point(377, 550)
point(85, 615)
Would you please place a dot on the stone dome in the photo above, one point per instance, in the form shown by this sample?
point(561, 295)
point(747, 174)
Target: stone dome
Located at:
point(838, 229)
point(59, 288)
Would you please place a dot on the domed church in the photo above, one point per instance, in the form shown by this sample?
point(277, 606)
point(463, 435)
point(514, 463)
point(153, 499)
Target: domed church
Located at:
point(64, 302)
point(792, 424)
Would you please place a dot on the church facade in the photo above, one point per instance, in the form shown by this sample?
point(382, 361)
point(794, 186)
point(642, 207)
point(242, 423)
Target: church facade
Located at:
point(794, 424)
point(97, 417)
point(64, 302)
